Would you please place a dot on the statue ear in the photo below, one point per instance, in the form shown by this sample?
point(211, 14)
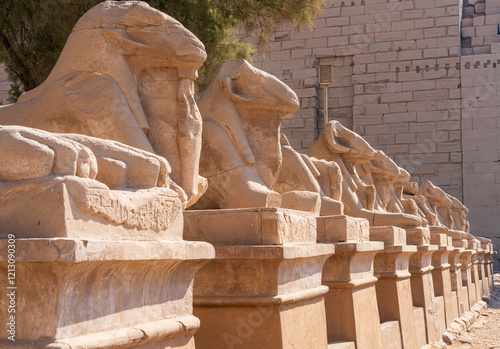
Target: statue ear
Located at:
point(120, 43)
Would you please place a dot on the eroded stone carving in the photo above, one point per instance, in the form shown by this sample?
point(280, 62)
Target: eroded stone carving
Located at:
point(242, 112)
point(368, 177)
point(37, 167)
point(125, 74)
point(246, 160)
point(301, 176)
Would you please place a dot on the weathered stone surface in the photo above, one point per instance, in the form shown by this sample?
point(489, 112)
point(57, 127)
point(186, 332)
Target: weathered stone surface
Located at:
point(368, 177)
point(391, 335)
point(61, 180)
point(351, 303)
point(124, 275)
point(242, 111)
point(389, 235)
point(253, 226)
point(250, 296)
point(91, 307)
point(393, 291)
point(418, 236)
point(342, 229)
point(105, 85)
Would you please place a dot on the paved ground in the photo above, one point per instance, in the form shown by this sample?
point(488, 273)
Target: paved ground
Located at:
point(485, 332)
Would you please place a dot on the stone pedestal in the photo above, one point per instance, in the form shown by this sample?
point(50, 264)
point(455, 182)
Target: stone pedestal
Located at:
point(351, 303)
point(474, 245)
point(469, 290)
point(263, 290)
point(460, 299)
point(98, 268)
point(393, 287)
point(82, 208)
point(490, 267)
point(342, 228)
point(442, 278)
point(422, 288)
point(418, 236)
point(394, 290)
point(487, 250)
point(458, 239)
point(490, 263)
point(77, 293)
point(481, 257)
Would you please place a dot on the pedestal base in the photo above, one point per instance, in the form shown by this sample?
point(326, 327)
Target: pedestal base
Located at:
point(468, 287)
point(456, 282)
point(262, 297)
point(442, 281)
point(351, 303)
point(263, 290)
point(394, 290)
point(74, 293)
point(422, 288)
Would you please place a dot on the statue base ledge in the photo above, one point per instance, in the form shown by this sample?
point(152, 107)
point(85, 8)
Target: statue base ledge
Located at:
point(169, 333)
point(64, 250)
point(342, 228)
point(103, 294)
point(348, 247)
point(418, 236)
point(273, 252)
point(439, 239)
point(74, 207)
point(390, 235)
point(250, 226)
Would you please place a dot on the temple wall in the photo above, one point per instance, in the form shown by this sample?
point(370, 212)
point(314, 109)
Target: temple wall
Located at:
point(480, 134)
point(417, 79)
point(396, 80)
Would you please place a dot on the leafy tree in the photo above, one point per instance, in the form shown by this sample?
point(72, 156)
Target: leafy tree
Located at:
point(33, 32)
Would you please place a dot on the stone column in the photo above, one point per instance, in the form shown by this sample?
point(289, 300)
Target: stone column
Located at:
point(441, 275)
point(469, 291)
point(483, 279)
point(460, 300)
point(393, 286)
point(351, 303)
point(422, 288)
point(263, 290)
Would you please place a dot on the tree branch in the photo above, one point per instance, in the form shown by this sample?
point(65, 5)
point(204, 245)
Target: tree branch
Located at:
point(18, 67)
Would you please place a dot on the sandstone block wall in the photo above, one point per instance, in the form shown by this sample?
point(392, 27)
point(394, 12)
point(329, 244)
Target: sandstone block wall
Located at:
point(396, 80)
point(480, 26)
point(417, 79)
point(481, 142)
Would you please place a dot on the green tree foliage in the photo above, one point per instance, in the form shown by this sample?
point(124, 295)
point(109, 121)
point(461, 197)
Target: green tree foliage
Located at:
point(33, 32)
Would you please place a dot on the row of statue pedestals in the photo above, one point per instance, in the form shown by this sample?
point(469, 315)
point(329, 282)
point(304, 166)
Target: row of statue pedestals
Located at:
point(334, 249)
point(287, 279)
